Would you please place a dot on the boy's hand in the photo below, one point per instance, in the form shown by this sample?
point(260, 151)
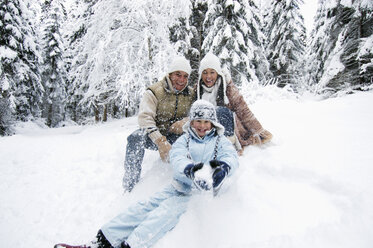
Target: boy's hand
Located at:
point(221, 171)
point(190, 169)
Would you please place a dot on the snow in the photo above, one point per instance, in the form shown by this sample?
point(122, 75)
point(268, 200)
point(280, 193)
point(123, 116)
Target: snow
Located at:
point(310, 187)
point(333, 64)
point(6, 52)
point(366, 46)
point(366, 4)
point(204, 175)
point(346, 3)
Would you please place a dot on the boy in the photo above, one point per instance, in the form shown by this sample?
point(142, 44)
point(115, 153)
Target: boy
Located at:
point(203, 147)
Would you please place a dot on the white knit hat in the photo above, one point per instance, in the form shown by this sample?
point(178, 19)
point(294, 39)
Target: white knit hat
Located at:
point(180, 64)
point(210, 61)
point(204, 110)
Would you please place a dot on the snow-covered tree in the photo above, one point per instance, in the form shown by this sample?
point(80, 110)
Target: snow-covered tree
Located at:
point(20, 85)
point(187, 34)
point(53, 70)
point(316, 49)
point(365, 55)
point(285, 41)
point(126, 47)
point(233, 33)
point(337, 52)
point(75, 29)
point(5, 108)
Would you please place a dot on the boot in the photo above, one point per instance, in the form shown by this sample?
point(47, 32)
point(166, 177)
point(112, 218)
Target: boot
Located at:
point(124, 245)
point(90, 245)
point(100, 242)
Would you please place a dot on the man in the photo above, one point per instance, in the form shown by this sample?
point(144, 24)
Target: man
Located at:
point(163, 111)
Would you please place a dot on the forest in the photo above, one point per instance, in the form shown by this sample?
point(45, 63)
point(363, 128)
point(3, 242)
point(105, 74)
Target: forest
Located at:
point(67, 62)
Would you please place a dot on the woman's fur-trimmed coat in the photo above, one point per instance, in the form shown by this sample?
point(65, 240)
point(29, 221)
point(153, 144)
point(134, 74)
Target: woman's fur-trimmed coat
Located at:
point(248, 129)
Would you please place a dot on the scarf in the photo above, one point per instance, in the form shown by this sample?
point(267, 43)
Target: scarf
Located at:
point(210, 94)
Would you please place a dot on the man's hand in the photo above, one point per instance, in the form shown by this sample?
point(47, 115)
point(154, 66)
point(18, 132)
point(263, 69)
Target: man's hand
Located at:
point(177, 127)
point(164, 148)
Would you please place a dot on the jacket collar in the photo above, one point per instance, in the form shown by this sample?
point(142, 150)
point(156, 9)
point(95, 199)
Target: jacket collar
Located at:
point(170, 89)
point(208, 136)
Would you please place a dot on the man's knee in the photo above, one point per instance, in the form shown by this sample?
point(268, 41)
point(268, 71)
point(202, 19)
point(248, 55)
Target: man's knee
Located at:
point(135, 137)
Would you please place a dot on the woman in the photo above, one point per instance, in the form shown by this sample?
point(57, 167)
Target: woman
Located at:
point(202, 147)
point(217, 87)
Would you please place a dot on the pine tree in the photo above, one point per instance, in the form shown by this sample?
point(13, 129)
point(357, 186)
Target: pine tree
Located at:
point(365, 55)
point(21, 89)
point(285, 46)
point(5, 108)
point(337, 50)
point(316, 51)
point(233, 33)
point(187, 34)
point(53, 75)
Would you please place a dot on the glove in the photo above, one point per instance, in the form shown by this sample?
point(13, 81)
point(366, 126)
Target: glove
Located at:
point(265, 136)
point(255, 139)
point(261, 138)
point(189, 171)
point(221, 171)
point(177, 127)
point(163, 148)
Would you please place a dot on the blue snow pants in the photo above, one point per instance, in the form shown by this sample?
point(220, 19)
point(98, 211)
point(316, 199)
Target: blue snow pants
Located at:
point(144, 223)
point(137, 142)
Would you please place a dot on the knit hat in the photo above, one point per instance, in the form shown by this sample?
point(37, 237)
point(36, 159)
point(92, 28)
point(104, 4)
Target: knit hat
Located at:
point(180, 64)
point(204, 110)
point(212, 61)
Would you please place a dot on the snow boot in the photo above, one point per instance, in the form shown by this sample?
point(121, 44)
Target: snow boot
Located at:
point(100, 242)
point(90, 245)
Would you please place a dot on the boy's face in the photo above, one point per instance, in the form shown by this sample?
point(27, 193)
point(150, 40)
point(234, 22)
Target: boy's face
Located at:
point(201, 126)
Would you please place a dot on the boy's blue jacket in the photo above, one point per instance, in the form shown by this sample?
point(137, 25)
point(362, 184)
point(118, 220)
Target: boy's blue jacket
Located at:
point(146, 222)
point(199, 150)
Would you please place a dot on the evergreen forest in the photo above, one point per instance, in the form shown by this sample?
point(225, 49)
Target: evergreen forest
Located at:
point(68, 62)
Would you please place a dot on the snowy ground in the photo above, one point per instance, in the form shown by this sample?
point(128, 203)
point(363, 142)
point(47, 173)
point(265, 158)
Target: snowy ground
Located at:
point(311, 187)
